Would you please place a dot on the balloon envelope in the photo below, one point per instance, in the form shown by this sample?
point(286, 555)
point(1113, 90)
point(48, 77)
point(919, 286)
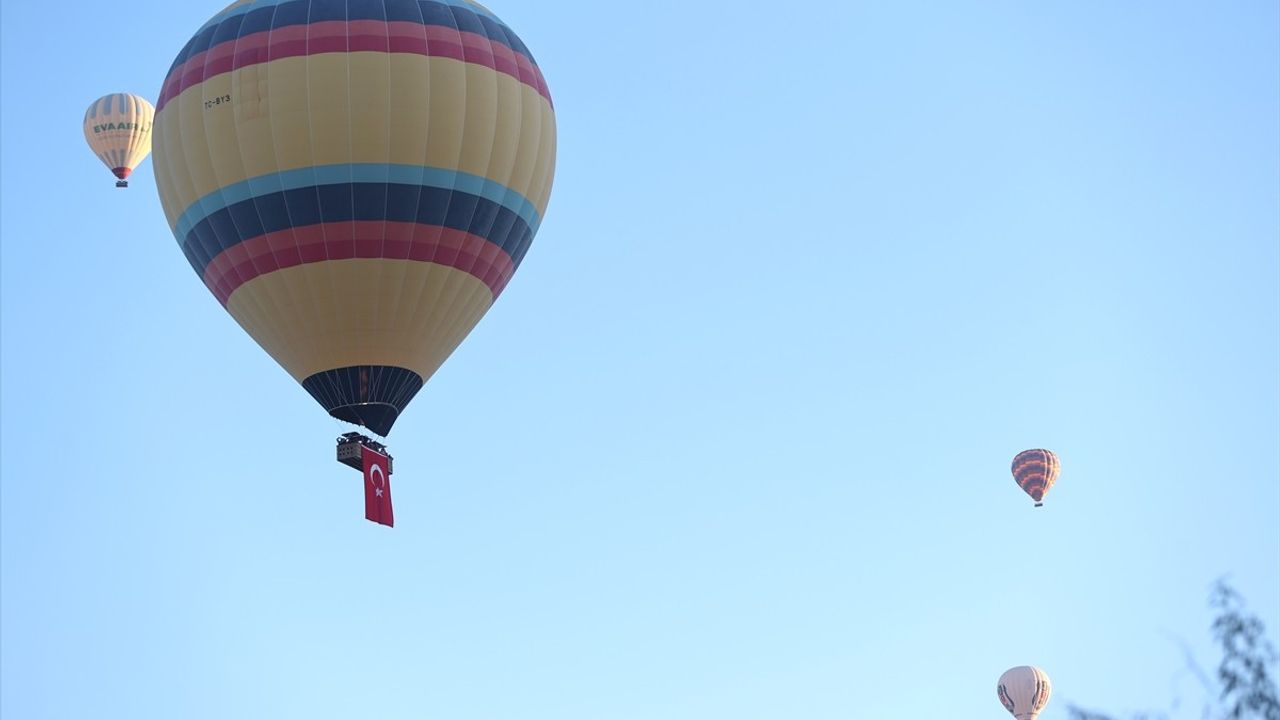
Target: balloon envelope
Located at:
point(1036, 471)
point(355, 181)
point(118, 130)
point(1024, 691)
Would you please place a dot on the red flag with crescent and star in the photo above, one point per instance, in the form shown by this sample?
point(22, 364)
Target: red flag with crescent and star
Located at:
point(377, 487)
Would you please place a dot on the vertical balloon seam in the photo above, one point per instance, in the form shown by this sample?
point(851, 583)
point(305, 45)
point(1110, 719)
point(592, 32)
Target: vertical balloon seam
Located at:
point(289, 289)
point(515, 133)
point(310, 63)
point(397, 282)
point(419, 279)
point(237, 107)
point(311, 281)
point(149, 113)
point(179, 163)
point(166, 176)
point(379, 379)
point(457, 295)
point(494, 147)
point(410, 296)
point(383, 380)
point(489, 166)
point(255, 308)
point(1047, 471)
point(258, 307)
point(535, 180)
point(392, 271)
point(126, 118)
point(453, 304)
point(135, 140)
point(458, 322)
point(359, 339)
point(139, 117)
point(166, 202)
point(131, 142)
point(267, 302)
point(460, 296)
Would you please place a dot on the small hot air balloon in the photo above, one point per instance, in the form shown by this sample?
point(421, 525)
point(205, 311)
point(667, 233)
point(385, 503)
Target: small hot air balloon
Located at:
point(118, 130)
point(1024, 691)
point(1036, 471)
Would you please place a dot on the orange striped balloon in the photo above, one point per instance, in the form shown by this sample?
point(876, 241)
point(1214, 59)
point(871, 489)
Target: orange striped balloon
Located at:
point(1036, 471)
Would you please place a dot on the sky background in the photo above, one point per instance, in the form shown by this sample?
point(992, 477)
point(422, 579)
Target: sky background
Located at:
point(735, 442)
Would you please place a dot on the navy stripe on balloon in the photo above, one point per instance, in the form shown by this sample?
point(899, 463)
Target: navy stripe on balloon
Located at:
point(304, 12)
point(368, 395)
point(341, 202)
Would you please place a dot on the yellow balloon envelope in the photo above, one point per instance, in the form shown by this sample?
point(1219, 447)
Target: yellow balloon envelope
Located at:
point(355, 181)
point(118, 130)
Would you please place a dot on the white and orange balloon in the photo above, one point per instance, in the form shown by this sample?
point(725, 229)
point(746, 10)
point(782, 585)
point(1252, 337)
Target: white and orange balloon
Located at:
point(118, 130)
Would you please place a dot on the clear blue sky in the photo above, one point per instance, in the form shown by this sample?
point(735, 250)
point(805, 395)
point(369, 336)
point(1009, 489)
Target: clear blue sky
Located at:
point(735, 441)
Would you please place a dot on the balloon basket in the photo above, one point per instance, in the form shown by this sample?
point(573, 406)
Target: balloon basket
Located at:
point(122, 183)
point(349, 445)
point(1039, 504)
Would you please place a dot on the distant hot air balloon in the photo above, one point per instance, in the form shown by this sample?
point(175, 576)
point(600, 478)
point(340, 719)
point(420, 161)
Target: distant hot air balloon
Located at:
point(1036, 471)
point(118, 129)
point(355, 181)
point(1024, 691)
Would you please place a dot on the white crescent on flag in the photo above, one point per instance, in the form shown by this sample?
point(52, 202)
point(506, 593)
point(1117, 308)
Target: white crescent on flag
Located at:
point(377, 479)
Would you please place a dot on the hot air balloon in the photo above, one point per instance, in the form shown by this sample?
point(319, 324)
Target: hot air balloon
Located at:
point(355, 181)
point(118, 130)
point(1024, 691)
point(1036, 471)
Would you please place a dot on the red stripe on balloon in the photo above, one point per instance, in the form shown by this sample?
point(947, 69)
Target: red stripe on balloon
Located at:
point(323, 242)
point(354, 36)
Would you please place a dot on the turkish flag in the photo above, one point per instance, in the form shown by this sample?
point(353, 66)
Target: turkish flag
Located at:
point(377, 487)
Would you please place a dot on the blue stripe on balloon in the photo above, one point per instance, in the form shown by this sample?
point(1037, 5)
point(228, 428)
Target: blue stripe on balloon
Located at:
point(357, 173)
point(258, 4)
point(246, 19)
point(353, 201)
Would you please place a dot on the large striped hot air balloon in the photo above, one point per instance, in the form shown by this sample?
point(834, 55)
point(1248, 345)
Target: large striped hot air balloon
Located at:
point(118, 130)
point(355, 181)
point(1036, 471)
point(1024, 691)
